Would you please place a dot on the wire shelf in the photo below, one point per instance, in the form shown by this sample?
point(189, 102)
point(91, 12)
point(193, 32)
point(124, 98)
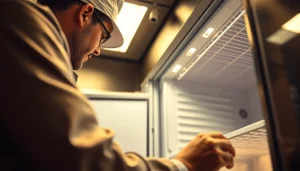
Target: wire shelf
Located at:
point(226, 59)
point(249, 141)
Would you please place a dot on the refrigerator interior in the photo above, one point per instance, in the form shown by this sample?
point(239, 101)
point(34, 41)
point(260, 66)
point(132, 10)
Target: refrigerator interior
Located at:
point(215, 89)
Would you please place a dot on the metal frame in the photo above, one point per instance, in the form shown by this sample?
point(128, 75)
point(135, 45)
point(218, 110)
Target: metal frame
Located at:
point(275, 78)
point(257, 125)
point(273, 142)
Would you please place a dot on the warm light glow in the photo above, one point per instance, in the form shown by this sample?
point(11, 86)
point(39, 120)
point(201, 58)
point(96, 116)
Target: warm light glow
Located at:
point(191, 51)
point(90, 91)
point(281, 37)
point(208, 32)
point(176, 68)
point(128, 21)
point(293, 24)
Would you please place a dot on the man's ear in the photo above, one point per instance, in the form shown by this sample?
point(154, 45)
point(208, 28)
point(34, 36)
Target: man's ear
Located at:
point(85, 15)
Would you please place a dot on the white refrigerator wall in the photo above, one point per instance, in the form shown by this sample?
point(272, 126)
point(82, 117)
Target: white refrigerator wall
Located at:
point(254, 105)
point(262, 163)
point(128, 119)
point(190, 108)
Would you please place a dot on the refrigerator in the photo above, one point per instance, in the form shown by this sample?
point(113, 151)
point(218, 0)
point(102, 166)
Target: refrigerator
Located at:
point(237, 72)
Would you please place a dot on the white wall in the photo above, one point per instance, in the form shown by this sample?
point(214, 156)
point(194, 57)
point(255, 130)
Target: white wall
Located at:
point(128, 119)
point(190, 108)
point(254, 105)
point(263, 163)
point(104, 74)
point(241, 101)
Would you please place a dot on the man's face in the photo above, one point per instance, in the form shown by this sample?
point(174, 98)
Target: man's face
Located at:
point(85, 41)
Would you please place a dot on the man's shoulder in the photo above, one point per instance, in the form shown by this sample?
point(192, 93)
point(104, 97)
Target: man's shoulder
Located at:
point(29, 14)
point(31, 33)
point(30, 6)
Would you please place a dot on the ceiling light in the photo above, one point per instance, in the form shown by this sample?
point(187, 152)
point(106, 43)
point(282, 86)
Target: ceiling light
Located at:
point(128, 21)
point(281, 36)
point(176, 68)
point(191, 51)
point(208, 32)
point(293, 24)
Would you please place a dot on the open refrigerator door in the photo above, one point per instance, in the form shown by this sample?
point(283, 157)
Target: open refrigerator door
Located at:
point(216, 89)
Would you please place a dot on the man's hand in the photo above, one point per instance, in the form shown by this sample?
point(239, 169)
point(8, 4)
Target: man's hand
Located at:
point(207, 152)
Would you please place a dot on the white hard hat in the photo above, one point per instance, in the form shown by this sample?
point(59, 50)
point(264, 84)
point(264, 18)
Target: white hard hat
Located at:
point(111, 9)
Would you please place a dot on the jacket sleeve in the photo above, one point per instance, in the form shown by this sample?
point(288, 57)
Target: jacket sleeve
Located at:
point(44, 114)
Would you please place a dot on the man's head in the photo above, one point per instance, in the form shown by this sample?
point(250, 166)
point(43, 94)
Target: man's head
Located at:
point(88, 25)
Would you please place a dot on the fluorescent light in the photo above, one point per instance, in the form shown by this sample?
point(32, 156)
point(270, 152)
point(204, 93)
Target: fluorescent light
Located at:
point(128, 21)
point(208, 32)
point(281, 36)
point(191, 51)
point(176, 68)
point(293, 24)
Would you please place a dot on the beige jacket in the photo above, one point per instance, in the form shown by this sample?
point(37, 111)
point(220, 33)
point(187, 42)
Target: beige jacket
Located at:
point(46, 123)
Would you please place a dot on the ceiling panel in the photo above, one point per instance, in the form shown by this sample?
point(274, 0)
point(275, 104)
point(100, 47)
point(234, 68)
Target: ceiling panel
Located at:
point(163, 2)
point(145, 33)
point(143, 36)
point(202, 74)
point(226, 75)
point(228, 61)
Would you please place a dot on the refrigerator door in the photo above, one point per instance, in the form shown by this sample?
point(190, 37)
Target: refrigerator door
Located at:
point(273, 28)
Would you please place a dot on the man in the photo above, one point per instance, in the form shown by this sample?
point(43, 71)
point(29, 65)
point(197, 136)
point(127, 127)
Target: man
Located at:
point(46, 123)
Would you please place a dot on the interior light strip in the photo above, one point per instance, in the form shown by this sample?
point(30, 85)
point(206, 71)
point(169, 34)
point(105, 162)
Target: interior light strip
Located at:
point(186, 70)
